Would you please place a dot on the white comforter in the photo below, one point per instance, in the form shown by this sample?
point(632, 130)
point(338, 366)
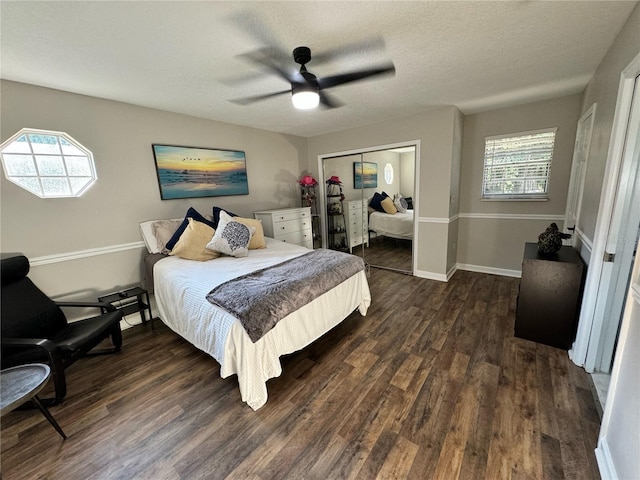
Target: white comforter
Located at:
point(398, 225)
point(180, 289)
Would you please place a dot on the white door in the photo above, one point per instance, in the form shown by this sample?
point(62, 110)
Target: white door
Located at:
point(622, 238)
point(578, 173)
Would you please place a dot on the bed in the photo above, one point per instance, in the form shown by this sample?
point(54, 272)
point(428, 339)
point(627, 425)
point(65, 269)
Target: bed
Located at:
point(180, 287)
point(398, 225)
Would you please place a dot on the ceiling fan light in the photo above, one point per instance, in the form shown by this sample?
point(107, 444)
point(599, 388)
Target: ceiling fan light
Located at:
point(305, 99)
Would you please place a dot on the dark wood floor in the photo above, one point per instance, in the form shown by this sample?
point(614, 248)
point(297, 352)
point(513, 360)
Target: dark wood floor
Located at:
point(387, 252)
point(431, 384)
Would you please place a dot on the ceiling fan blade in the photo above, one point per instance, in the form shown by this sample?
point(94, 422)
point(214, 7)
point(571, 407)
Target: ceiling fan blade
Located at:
point(327, 101)
point(335, 80)
point(257, 98)
point(272, 60)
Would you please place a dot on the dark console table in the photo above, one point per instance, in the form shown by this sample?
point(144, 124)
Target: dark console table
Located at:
point(131, 300)
point(550, 296)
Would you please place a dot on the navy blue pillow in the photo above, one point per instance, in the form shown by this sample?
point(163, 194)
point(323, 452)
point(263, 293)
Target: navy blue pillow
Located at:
point(191, 213)
point(376, 200)
point(216, 216)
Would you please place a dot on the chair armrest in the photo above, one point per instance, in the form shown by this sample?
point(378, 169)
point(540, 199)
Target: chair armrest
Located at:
point(43, 343)
point(107, 306)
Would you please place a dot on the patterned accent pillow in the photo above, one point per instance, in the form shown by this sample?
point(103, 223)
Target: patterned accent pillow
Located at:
point(231, 237)
point(400, 203)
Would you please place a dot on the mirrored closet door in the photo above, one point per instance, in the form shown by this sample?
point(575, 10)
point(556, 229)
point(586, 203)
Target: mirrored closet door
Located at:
point(369, 206)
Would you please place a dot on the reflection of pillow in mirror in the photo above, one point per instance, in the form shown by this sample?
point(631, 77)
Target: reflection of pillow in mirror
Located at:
point(193, 242)
point(388, 206)
point(163, 230)
point(257, 239)
point(376, 201)
point(400, 203)
point(231, 238)
point(409, 203)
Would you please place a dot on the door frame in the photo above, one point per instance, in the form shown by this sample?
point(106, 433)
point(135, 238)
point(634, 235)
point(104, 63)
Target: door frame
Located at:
point(416, 191)
point(591, 324)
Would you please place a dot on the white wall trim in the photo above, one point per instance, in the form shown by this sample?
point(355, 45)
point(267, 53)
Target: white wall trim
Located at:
point(92, 252)
point(513, 216)
point(451, 271)
point(438, 219)
point(431, 275)
point(605, 462)
point(490, 270)
point(433, 220)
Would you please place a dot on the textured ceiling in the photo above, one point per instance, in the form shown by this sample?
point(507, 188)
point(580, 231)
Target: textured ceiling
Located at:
point(185, 56)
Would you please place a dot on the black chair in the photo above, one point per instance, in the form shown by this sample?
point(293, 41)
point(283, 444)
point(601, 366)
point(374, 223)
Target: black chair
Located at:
point(35, 330)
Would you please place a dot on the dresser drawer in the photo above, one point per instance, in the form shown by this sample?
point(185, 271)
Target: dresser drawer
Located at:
point(303, 238)
point(288, 216)
point(288, 226)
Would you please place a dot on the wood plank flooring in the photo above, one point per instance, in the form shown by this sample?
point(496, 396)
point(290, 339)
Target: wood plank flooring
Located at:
point(431, 384)
point(387, 252)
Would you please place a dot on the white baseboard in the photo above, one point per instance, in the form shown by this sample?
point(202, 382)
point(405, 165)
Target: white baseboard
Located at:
point(490, 270)
point(605, 462)
point(431, 275)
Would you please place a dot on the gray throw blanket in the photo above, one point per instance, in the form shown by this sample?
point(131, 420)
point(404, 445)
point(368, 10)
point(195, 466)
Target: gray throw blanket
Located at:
point(262, 298)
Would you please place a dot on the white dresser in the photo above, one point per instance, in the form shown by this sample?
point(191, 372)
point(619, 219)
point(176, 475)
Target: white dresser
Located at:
point(291, 225)
point(356, 220)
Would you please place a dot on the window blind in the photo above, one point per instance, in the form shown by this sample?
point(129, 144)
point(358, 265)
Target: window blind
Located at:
point(518, 165)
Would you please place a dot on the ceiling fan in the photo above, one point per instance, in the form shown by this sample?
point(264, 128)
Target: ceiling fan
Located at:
point(306, 89)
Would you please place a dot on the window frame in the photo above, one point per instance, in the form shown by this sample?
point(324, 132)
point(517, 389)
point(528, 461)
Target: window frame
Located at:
point(525, 196)
point(63, 157)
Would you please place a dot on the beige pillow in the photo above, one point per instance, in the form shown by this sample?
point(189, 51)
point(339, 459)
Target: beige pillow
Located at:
point(163, 230)
point(193, 242)
point(388, 206)
point(257, 239)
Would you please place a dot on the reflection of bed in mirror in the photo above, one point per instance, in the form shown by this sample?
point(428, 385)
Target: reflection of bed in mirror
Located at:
point(397, 225)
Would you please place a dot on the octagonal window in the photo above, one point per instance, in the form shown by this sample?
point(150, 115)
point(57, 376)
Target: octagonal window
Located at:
point(48, 164)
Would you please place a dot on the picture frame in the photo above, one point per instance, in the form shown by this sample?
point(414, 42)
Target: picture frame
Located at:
point(365, 175)
point(191, 172)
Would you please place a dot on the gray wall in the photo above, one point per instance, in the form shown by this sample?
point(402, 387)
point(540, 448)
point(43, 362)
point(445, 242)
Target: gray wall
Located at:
point(343, 167)
point(492, 233)
point(126, 193)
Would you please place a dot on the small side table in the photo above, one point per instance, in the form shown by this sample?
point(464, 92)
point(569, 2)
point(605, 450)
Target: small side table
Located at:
point(22, 383)
point(131, 300)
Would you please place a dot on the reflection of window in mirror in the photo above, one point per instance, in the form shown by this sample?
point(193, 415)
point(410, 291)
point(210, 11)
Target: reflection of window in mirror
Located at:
point(388, 173)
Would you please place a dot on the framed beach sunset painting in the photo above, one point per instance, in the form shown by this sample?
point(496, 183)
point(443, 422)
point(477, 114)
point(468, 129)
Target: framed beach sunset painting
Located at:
point(187, 172)
point(365, 175)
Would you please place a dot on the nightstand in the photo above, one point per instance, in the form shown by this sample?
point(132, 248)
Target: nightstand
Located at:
point(550, 296)
point(131, 300)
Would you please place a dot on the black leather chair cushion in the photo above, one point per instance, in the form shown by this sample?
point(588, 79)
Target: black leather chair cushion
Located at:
point(78, 334)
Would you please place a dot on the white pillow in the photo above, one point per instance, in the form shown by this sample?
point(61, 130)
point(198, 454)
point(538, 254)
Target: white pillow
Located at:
point(146, 229)
point(231, 237)
point(400, 203)
point(149, 237)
